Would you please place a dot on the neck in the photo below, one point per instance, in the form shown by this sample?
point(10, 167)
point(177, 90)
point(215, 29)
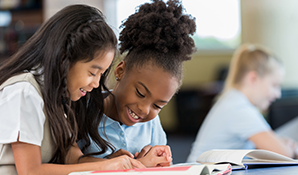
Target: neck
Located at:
point(110, 109)
point(246, 90)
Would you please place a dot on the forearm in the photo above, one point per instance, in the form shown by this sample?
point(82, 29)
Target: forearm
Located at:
point(290, 146)
point(28, 162)
point(90, 159)
point(269, 141)
point(74, 156)
point(58, 169)
point(280, 148)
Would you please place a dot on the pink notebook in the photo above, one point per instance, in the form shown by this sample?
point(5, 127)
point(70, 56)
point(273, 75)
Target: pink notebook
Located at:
point(223, 169)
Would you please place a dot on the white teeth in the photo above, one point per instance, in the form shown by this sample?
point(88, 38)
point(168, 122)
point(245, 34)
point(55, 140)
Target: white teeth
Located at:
point(133, 114)
point(82, 90)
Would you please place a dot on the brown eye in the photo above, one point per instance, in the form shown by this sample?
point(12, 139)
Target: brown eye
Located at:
point(92, 74)
point(156, 106)
point(140, 94)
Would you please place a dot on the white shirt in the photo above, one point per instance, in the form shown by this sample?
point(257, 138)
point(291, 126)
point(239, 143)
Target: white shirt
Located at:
point(229, 125)
point(21, 112)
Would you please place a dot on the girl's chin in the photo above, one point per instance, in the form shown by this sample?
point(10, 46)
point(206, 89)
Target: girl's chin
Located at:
point(75, 98)
point(264, 107)
point(128, 122)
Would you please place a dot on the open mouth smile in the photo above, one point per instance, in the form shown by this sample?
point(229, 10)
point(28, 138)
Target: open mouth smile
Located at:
point(133, 115)
point(83, 92)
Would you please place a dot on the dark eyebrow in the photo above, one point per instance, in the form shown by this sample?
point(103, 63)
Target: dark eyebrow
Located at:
point(96, 67)
point(150, 92)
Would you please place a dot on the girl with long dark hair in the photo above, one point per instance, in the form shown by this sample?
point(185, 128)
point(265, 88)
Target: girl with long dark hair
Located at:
point(44, 91)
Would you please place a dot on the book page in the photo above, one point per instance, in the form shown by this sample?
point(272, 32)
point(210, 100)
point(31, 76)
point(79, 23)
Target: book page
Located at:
point(237, 157)
point(209, 168)
point(218, 156)
point(178, 170)
point(268, 156)
point(222, 169)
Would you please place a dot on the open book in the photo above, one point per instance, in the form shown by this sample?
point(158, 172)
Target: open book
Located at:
point(200, 169)
point(243, 159)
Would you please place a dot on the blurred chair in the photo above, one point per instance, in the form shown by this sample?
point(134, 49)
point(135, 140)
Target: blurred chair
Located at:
point(284, 109)
point(193, 105)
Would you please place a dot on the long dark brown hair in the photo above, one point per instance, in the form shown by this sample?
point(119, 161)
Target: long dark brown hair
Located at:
point(75, 33)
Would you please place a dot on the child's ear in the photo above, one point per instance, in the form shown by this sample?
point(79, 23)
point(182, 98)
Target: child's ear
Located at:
point(252, 77)
point(119, 70)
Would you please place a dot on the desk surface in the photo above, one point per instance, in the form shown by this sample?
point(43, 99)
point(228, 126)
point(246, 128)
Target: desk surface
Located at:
point(288, 170)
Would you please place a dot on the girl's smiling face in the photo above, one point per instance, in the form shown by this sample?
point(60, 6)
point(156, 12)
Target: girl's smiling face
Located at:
point(84, 76)
point(141, 93)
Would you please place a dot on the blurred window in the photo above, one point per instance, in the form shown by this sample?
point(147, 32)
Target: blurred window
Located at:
point(218, 22)
point(5, 18)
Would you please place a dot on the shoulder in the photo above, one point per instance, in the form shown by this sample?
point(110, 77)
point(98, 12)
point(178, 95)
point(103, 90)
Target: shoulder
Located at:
point(23, 88)
point(233, 101)
point(107, 122)
point(232, 107)
point(233, 95)
point(23, 107)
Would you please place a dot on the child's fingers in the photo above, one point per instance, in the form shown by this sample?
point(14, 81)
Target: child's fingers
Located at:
point(123, 162)
point(163, 161)
point(163, 150)
point(136, 154)
point(144, 151)
point(169, 158)
point(136, 164)
point(164, 164)
point(157, 155)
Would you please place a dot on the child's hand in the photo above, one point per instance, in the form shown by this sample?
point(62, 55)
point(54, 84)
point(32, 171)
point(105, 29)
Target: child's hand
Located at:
point(121, 152)
point(121, 162)
point(158, 155)
point(143, 152)
point(292, 144)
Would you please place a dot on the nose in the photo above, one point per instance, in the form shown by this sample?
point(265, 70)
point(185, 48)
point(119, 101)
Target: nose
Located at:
point(95, 81)
point(144, 108)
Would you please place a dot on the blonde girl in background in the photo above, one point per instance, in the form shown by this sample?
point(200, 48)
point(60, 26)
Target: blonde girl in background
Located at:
point(235, 121)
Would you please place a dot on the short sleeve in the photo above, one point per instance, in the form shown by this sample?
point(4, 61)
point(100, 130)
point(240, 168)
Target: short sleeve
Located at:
point(158, 134)
point(249, 122)
point(21, 109)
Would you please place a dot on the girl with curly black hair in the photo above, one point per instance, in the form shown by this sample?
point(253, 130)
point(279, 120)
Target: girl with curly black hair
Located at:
point(157, 41)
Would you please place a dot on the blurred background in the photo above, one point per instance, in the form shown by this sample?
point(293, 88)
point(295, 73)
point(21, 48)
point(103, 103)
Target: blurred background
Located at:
point(222, 25)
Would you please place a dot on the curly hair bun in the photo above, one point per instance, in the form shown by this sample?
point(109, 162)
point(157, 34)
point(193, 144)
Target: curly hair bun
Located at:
point(159, 26)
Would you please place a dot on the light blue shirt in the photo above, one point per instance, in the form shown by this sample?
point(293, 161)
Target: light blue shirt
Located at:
point(131, 138)
point(228, 125)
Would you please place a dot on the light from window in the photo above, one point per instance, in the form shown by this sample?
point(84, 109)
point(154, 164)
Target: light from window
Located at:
point(5, 18)
point(218, 22)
